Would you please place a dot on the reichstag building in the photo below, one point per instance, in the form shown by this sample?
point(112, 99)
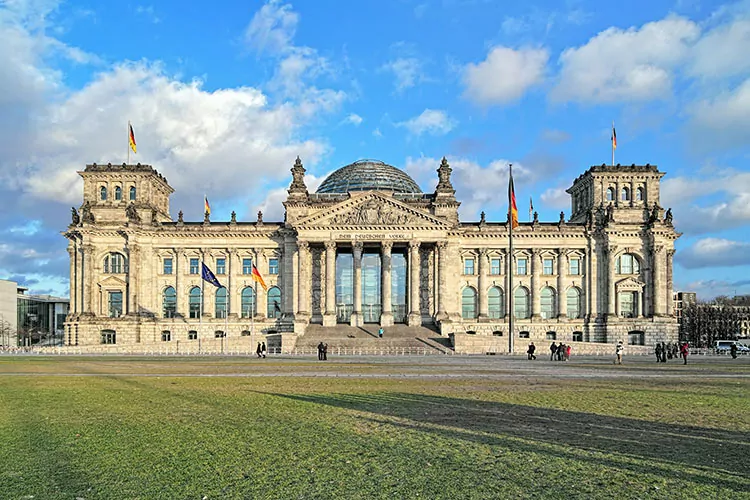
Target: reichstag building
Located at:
point(369, 247)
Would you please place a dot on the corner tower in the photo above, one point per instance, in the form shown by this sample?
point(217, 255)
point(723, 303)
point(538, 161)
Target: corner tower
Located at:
point(112, 192)
point(632, 192)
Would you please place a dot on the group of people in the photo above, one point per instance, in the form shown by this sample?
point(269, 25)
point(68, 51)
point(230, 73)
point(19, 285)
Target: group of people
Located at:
point(561, 351)
point(322, 351)
point(260, 351)
point(665, 351)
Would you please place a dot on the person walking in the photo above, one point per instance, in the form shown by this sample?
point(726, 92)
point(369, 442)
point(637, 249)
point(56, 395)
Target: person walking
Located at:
point(380, 332)
point(553, 351)
point(567, 352)
point(258, 351)
point(733, 350)
point(684, 351)
point(663, 352)
point(618, 351)
point(658, 352)
point(320, 351)
point(263, 349)
point(325, 352)
point(531, 350)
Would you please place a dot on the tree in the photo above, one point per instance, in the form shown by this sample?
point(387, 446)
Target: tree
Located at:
point(704, 323)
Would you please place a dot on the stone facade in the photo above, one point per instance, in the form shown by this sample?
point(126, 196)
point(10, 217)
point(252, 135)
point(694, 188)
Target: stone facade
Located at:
point(603, 275)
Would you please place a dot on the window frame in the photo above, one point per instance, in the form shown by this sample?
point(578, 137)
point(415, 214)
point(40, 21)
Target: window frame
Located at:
point(221, 265)
point(469, 266)
point(170, 312)
point(194, 269)
point(132, 193)
point(577, 268)
point(469, 303)
point(273, 265)
point(525, 266)
point(545, 269)
point(496, 270)
point(167, 265)
point(247, 265)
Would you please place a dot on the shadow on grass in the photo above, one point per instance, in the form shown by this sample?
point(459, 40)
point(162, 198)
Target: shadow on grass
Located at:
point(639, 446)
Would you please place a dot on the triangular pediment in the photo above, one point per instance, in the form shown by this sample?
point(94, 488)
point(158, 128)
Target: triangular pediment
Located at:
point(629, 284)
point(371, 210)
point(112, 282)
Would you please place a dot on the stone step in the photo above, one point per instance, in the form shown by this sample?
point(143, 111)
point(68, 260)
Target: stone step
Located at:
point(366, 337)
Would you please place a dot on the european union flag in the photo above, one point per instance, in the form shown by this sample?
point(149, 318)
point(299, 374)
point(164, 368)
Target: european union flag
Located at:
point(209, 276)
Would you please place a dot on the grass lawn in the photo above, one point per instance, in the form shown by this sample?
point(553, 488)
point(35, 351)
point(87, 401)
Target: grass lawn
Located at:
point(122, 428)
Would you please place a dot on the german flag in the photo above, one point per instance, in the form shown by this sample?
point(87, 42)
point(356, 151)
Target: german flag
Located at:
point(132, 138)
point(512, 202)
point(614, 137)
point(206, 206)
point(257, 277)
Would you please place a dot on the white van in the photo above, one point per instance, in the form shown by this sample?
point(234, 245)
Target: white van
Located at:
point(724, 346)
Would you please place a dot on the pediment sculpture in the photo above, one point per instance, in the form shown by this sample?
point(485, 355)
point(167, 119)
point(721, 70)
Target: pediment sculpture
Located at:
point(372, 212)
point(630, 284)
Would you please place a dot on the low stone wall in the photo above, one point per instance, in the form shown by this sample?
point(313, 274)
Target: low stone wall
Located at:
point(283, 343)
point(464, 343)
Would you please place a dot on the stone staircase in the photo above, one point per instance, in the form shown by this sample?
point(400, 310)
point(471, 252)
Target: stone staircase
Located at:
point(397, 338)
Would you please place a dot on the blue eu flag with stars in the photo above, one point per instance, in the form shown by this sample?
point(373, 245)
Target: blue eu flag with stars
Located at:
point(209, 276)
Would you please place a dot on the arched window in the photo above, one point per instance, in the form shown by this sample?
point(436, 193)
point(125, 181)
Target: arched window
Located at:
point(548, 303)
point(625, 194)
point(132, 193)
point(247, 304)
point(103, 193)
point(118, 193)
point(573, 296)
point(468, 303)
point(610, 194)
point(521, 303)
point(639, 194)
point(169, 302)
point(221, 302)
point(496, 308)
point(195, 302)
point(627, 264)
point(115, 263)
point(274, 302)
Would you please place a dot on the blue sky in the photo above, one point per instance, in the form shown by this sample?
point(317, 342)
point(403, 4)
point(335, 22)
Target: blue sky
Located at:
point(222, 100)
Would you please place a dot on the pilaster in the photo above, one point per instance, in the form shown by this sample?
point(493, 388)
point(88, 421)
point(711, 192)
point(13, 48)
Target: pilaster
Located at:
point(442, 280)
point(482, 292)
point(536, 302)
point(611, 296)
point(562, 298)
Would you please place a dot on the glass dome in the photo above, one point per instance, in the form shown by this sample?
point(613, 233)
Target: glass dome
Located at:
point(368, 175)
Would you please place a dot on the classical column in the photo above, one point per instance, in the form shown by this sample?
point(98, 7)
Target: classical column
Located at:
point(288, 279)
point(261, 296)
point(658, 282)
point(632, 193)
point(442, 279)
point(483, 297)
point(591, 290)
point(73, 277)
point(611, 307)
point(303, 279)
point(670, 283)
point(510, 261)
point(536, 302)
point(329, 318)
point(178, 293)
point(562, 269)
point(386, 317)
point(87, 264)
point(357, 284)
point(415, 316)
point(133, 264)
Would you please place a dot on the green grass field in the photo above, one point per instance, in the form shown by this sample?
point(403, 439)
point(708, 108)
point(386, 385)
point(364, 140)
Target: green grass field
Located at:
point(123, 428)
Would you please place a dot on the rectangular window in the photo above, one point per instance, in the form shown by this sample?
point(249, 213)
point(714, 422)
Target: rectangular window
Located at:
point(247, 266)
point(167, 265)
point(547, 266)
point(494, 267)
point(575, 266)
point(166, 336)
point(194, 266)
point(192, 335)
point(109, 337)
point(521, 266)
point(115, 304)
point(273, 266)
point(221, 266)
point(468, 266)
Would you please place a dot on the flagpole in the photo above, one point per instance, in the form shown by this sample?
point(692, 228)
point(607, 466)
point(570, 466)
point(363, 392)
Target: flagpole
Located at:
point(511, 331)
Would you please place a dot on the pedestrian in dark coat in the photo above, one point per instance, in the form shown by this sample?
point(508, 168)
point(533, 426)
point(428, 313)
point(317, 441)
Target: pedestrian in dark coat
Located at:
point(658, 352)
point(733, 350)
point(663, 352)
point(531, 350)
point(259, 351)
point(320, 351)
point(325, 352)
point(553, 351)
point(263, 349)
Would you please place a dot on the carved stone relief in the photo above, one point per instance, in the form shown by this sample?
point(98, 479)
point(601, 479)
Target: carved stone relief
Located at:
point(373, 212)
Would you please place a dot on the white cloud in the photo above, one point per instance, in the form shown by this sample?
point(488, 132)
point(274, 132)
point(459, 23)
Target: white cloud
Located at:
point(636, 64)
point(556, 136)
point(377, 133)
point(431, 121)
point(477, 186)
point(722, 51)
point(556, 198)
point(709, 289)
point(407, 70)
point(354, 119)
point(722, 120)
point(272, 28)
point(505, 75)
point(272, 207)
point(712, 200)
point(715, 252)
point(148, 12)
